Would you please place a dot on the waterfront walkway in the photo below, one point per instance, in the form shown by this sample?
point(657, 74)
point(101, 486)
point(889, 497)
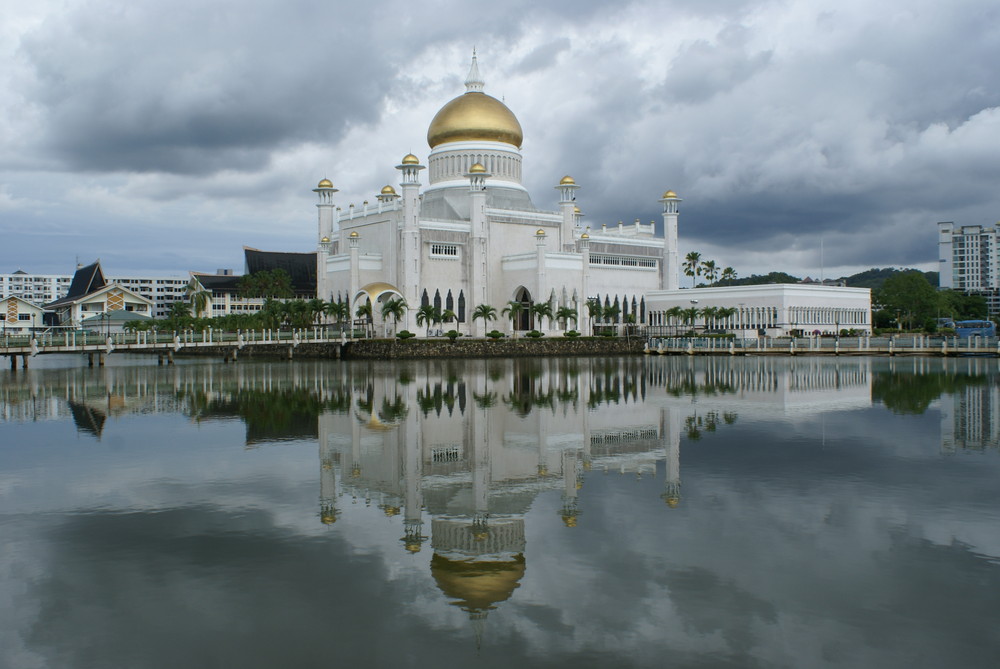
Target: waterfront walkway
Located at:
point(163, 344)
point(896, 345)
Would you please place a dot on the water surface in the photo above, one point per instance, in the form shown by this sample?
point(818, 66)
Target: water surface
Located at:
point(708, 512)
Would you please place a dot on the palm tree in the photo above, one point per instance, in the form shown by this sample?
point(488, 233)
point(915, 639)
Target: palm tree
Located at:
point(179, 310)
point(566, 314)
point(339, 311)
point(513, 311)
point(692, 265)
point(197, 296)
point(690, 314)
point(426, 315)
point(317, 307)
point(542, 310)
point(485, 312)
point(709, 314)
point(675, 313)
point(395, 309)
point(728, 274)
point(710, 271)
point(725, 313)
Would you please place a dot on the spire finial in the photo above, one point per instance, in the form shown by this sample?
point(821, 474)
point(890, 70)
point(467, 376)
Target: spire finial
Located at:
point(474, 82)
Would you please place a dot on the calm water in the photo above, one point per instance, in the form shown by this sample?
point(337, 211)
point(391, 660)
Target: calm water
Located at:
point(646, 512)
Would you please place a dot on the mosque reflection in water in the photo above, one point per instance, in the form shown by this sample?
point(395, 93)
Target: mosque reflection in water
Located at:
point(460, 450)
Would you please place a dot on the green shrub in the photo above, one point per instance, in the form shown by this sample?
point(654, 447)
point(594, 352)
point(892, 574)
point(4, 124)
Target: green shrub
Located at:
point(404, 335)
point(453, 334)
point(571, 334)
point(534, 334)
point(495, 334)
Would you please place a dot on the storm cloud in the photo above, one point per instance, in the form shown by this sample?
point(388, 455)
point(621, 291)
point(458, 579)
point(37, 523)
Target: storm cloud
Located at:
point(784, 127)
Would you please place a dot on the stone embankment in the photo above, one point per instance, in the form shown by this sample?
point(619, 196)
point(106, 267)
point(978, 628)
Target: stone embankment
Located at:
point(394, 349)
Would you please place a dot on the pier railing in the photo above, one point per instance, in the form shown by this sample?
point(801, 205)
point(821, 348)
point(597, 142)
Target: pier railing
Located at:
point(894, 345)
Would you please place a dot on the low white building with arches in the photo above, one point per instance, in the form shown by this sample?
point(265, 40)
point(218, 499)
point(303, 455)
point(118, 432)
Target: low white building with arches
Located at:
point(762, 310)
point(473, 235)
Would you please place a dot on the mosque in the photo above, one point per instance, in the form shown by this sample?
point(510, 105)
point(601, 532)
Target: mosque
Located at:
point(473, 235)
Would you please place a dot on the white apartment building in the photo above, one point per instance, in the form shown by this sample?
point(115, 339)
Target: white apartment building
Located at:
point(967, 258)
point(44, 288)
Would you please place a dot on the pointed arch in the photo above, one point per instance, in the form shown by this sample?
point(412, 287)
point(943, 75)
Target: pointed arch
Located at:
point(424, 299)
point(461, 306)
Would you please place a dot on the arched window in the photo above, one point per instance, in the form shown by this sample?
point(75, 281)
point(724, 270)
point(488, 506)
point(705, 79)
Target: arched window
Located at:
point(449, 302)
point(424, 300)
point(461, 306)
point(437, 300)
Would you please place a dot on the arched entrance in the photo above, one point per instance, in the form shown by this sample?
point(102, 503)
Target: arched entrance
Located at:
point(525, 319)
point(376, 295)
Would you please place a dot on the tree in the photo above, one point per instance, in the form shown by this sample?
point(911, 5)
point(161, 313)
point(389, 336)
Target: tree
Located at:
point(566, 314)
point(542, 310)
point(267, 283)
point(690, 315)
point(675, 313)
point(395, 309)
point(709, 315)
point(692, 265)
point(728, 275)
point(317, 307)
point(513, 311)
point(710, 271)
point(197, 296)
point(910, 296)
point(485, 312)
point(179, 310)
point(339, 311)
point(427, 315)
point(364, 311)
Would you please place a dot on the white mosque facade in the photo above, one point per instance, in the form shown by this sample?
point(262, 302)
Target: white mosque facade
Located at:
point(473, 235)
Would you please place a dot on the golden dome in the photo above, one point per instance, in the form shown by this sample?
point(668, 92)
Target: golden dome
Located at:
point(585, 236)
point(354, 233)
point(569, 521)
point(567, 181)
point(328, 517)
point(576, 210)
point(477, 586)
point(410, 159)
point(477, 168)
point(325, 183)
point(539, 233)
point(673, 501)
point(325, 240)
point(388, 190)
point(475, 116)
point(669, 194)
point(412, 546)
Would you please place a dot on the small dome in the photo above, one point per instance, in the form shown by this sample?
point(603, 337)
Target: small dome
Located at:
point(567, 181)
point(669, 194)
point(539, 233)
point(585, 236)
point(325, 183)
point(354, 234)
point(410, 159)
point(576, 210)
point(569, 520)
point(477, 168)
point(328, 517)
point(388, 190)
point(325, 240)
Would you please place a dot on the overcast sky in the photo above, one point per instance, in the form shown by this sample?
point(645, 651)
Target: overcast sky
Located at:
point(163, 136)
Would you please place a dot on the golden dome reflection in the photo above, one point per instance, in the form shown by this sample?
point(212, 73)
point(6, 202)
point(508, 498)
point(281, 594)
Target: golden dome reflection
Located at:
point(477, 586)
point(475, 116)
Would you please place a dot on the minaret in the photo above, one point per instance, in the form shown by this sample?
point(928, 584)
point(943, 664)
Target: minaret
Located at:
point(478, 270)
point(409, 240)
point(583, 312)
point(541, 286)
point(567, 206)
point(669, 268)
point(355, 269)
point(324, 190)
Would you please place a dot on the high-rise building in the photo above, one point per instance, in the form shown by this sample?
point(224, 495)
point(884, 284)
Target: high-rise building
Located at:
point(967, 257)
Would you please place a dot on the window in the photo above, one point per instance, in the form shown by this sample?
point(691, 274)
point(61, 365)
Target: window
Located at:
point(444, 250)
point(24, 317)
